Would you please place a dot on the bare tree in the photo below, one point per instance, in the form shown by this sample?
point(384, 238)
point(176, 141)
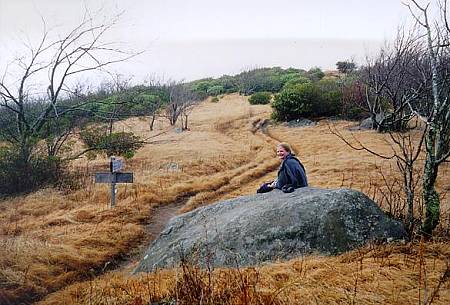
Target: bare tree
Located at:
point(346, 66)
point(153, 103)
point(384, 88)
point(58, 128)
point(181, 101)
point(250, 80)
point(154, 110)
point(415, 82)
point(388, 80)
point(28, 106)
point(120, 99)
point(405, 150)
point(437, 119)
point(191, 99)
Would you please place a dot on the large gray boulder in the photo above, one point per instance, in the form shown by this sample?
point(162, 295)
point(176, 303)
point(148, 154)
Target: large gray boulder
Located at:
point(265, 227)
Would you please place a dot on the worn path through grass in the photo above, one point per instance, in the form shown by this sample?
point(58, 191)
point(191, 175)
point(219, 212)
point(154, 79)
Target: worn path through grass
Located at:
point(158, 220)
point(51, 241)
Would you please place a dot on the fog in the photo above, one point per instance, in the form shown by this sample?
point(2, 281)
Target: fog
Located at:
point(186, 40)
point(191, 60)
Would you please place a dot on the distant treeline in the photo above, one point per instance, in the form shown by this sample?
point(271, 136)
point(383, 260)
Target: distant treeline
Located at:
point(256, 80)
point(111, 102)
point(36, 133)
point(295, 93)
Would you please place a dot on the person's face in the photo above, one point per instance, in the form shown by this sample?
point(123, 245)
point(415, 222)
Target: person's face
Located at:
point(281, 153)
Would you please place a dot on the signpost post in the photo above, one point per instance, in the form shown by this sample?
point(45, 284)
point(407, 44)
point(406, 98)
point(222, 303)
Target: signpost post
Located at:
point(114, 176)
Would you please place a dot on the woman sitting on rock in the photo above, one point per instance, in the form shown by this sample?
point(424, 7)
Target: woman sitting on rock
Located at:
point(291, 174)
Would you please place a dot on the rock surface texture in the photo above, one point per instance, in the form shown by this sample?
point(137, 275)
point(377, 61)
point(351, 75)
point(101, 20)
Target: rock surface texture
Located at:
point(265, 227)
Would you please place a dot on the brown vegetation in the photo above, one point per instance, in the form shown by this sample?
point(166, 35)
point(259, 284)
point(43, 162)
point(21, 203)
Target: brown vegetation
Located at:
point(412, 274)
point(50, 240)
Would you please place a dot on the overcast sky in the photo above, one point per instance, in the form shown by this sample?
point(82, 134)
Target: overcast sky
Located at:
point(199, 38)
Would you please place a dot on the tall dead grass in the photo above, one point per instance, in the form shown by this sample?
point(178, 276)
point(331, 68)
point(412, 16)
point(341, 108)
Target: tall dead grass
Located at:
point(49, 239)
point(394, 274)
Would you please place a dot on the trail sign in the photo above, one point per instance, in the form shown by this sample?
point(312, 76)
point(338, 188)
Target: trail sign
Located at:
point(115, 164)
point(113, 177)
point(107, 177)
point(124, 177)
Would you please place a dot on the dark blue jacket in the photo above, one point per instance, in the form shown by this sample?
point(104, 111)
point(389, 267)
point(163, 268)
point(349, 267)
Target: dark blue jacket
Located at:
point(291, 172)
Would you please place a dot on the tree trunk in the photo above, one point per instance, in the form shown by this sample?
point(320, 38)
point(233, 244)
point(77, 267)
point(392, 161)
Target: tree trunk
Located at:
point(110, 128)
point(185, 127)
point(409, 190)
point(373, 116)
point(430, 195)
point(25, 150)
point(152, 122)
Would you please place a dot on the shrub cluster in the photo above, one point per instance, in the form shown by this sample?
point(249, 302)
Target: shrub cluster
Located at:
point(98, 140)
point(256, 80)
point(215, 90)
point(308, 100)
point(21, 176)
point(260, 98)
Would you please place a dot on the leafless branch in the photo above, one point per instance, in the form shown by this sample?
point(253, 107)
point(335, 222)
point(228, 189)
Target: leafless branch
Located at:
point(359, 146)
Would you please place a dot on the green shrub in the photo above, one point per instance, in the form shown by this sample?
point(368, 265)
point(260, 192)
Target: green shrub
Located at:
point(215, 90)
point(251, 81)
point(228, 83)
point(295, 102)
point(266, 79)
point(122, 144)
point(315, 74)
point(346, 66)
point(22, 176)
point(260, 98)
point(296, 81)
point(214, 99)
point(306, 100)
point(331, 103)
point(201, 86)
point(355, 113)
point(211, 87)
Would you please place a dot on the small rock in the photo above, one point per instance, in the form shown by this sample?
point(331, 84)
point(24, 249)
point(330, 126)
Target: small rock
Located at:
point(301, 123)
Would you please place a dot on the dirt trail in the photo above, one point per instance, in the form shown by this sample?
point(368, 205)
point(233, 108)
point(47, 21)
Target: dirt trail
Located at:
point(158, 220)
point(244, 174)
point(240, 176)
point(161, 215)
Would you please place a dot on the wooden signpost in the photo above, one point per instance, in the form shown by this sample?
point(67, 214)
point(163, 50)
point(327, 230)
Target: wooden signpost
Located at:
point(114, 176)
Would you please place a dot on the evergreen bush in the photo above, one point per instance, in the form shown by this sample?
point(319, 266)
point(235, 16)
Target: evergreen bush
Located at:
point(215, 90)
point(18, 176)
point(309, 100)
point(260, 98)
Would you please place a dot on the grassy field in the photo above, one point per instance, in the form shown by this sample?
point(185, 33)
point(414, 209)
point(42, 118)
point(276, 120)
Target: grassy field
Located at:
point(71, 248)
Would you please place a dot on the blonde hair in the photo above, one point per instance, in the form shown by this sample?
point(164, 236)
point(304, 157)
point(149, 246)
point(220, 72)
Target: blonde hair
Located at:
point(286, 147)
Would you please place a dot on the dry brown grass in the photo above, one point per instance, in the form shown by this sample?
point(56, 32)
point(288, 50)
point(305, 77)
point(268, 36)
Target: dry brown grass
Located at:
point(373, 275)
point(49, 240)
